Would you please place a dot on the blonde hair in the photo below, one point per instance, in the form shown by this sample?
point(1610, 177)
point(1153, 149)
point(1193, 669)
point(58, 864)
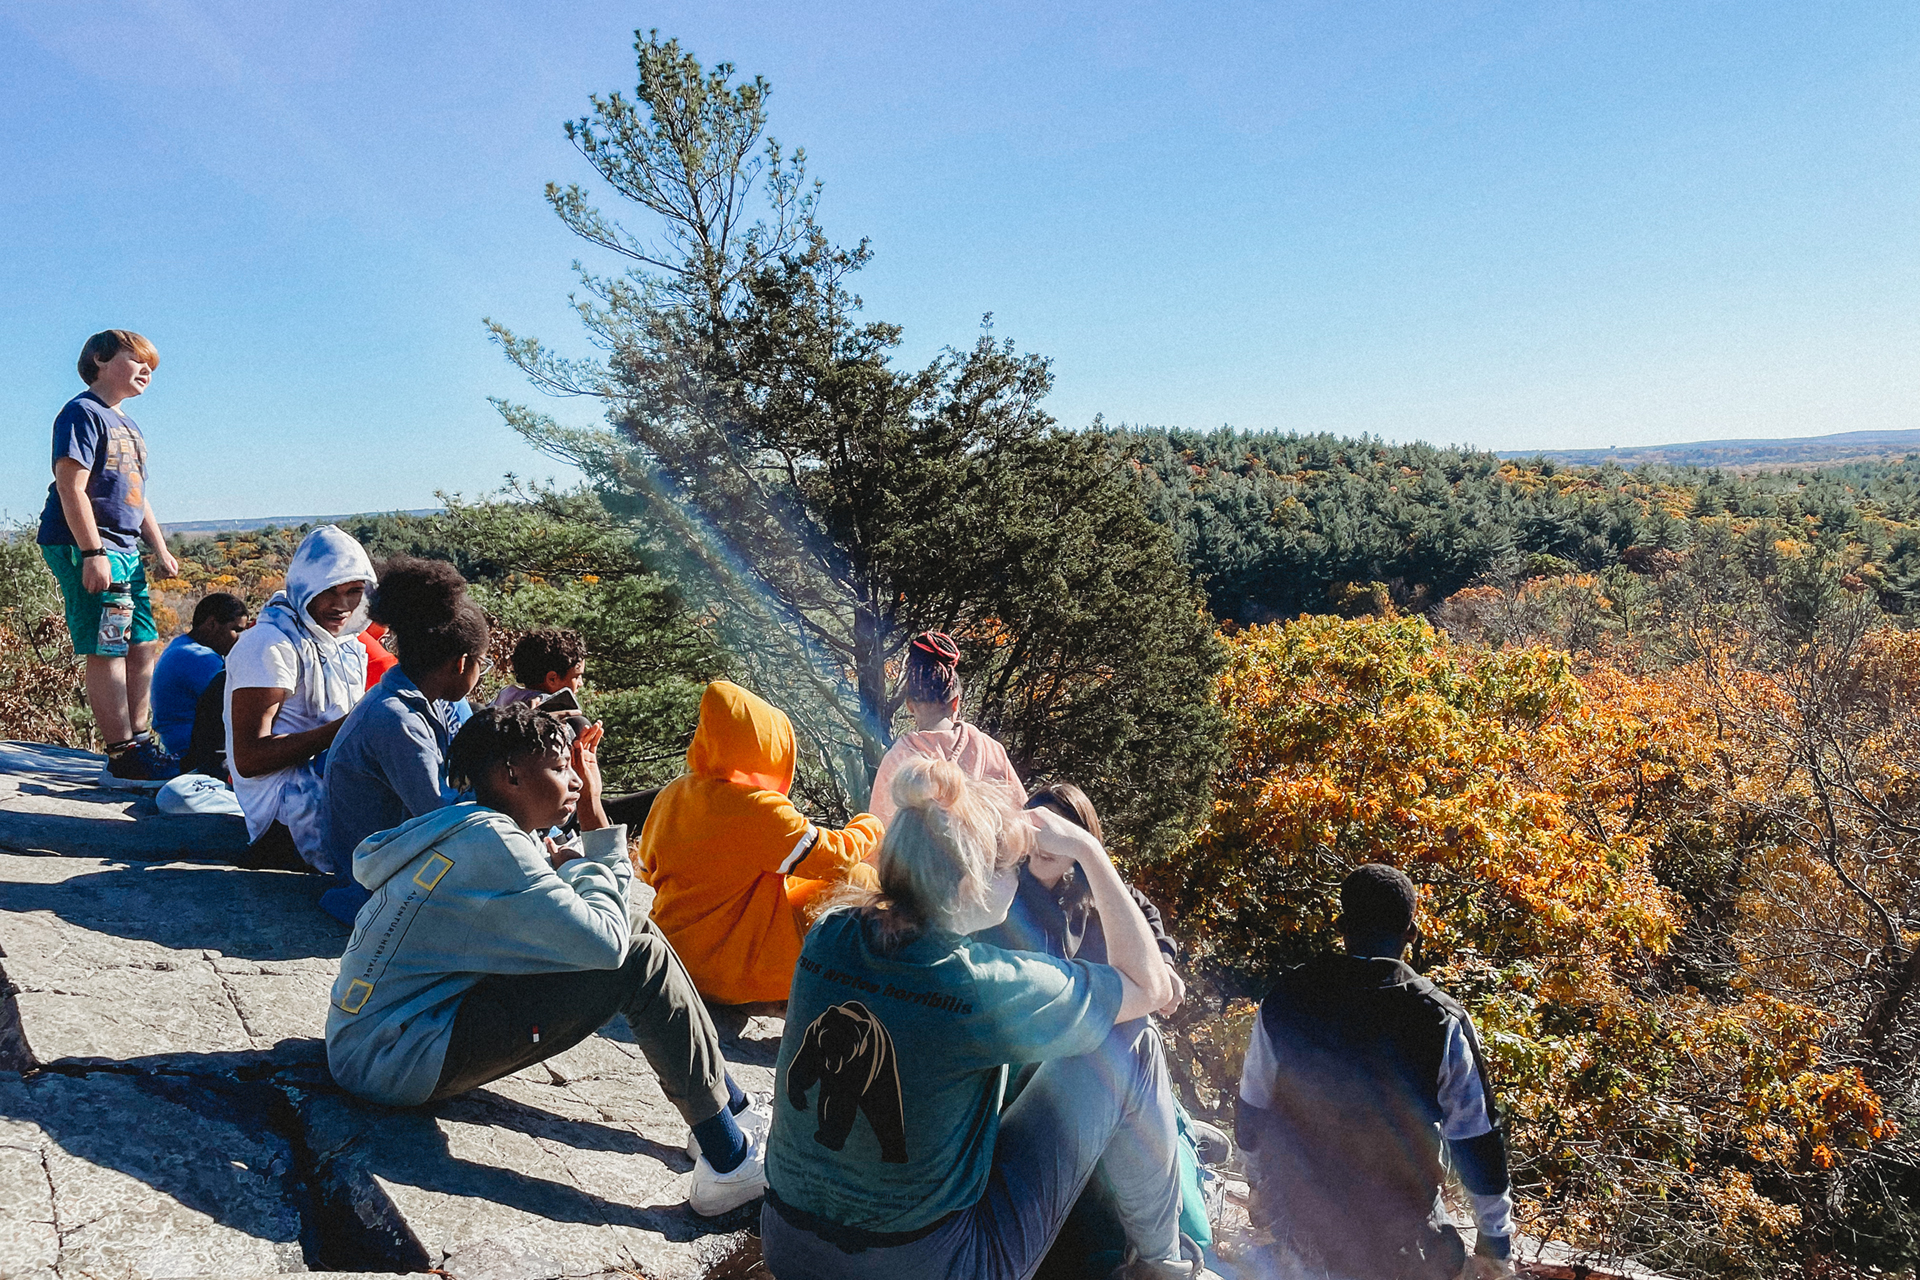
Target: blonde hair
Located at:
point(949, 837)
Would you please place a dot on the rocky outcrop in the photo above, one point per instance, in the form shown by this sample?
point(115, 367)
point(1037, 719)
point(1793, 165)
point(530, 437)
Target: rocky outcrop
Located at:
point(49, 803)
point(165, 1109)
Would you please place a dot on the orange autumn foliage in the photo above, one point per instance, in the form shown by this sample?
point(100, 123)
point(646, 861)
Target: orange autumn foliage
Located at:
point(1537, 810)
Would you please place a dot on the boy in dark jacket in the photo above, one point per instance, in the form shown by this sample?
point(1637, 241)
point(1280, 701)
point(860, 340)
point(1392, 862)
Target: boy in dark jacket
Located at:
point(1359, 1072)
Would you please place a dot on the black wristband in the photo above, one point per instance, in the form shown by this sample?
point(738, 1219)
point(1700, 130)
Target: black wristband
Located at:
point(97, 551)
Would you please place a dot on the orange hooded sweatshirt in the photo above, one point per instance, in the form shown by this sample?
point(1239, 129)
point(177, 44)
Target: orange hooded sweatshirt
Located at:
point(732, 862)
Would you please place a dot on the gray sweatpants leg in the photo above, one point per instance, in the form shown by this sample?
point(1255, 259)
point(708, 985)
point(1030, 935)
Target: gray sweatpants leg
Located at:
point(499, 1017)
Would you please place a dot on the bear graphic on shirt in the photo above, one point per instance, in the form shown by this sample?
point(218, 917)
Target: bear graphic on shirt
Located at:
point(848, 1052)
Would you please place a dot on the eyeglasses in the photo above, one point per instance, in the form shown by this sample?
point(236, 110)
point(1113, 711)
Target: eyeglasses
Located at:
point(486, 665)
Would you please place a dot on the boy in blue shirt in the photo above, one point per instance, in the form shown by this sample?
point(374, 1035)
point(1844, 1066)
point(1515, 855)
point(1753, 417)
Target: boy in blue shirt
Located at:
point(189, 665)
point(96, 514)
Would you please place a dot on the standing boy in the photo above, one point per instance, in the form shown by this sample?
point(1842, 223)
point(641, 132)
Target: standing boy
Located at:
point(96, 513)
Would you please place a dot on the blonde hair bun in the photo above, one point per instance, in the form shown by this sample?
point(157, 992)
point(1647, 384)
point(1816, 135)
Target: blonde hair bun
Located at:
point(929, 784)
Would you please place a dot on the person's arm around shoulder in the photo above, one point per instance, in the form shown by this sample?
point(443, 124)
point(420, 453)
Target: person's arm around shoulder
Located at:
point(880, 798)
point(1147, 983)
point(784, 842)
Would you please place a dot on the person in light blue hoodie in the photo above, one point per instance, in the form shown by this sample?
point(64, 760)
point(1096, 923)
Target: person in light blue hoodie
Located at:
point(484, 948)
point(389, 761)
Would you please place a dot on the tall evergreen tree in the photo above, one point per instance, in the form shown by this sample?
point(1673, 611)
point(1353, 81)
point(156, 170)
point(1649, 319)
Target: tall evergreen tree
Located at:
point(822, 505)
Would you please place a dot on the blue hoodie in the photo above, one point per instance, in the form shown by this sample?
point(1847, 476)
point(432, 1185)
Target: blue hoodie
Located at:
point(458, 894)
point(388, 764)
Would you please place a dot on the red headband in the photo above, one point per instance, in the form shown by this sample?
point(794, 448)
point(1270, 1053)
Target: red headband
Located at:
point(938, 644)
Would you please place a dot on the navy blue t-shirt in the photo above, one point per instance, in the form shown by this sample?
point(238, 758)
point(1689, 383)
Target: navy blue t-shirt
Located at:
point(108, 444)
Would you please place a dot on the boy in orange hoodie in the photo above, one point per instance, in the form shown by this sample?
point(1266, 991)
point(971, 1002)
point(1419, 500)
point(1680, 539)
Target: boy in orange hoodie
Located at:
point(733, 864)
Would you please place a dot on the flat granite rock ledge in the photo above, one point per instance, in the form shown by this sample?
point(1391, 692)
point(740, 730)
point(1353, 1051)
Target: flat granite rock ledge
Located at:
point(166, 1113)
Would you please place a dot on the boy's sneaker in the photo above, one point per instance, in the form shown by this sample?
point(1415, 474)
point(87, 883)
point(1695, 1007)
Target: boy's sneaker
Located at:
point(1210, 1143)
point(1191, 1266)
point(139, 766)
point(713, 1194)
point(757, 1118)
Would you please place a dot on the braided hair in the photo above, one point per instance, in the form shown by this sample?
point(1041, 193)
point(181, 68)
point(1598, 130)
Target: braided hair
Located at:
point(503, 735)
point(933, 669)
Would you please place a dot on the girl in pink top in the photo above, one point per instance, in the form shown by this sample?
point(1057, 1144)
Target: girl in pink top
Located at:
point(933, 696)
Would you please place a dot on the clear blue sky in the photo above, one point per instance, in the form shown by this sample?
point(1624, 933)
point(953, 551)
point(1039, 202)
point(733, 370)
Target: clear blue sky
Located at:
point(1513, 224)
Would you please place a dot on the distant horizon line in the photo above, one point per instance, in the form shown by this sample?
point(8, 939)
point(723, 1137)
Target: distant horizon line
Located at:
point(250, 524)
point(1890, 436)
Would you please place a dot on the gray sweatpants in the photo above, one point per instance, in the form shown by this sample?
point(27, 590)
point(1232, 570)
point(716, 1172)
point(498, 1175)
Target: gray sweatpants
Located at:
point(508, 1022)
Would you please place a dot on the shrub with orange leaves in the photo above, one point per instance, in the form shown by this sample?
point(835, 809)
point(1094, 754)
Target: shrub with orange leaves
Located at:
point(1534, 808)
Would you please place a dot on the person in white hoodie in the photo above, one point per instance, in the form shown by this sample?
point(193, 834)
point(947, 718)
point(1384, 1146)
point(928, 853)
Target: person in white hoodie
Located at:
point(291, 680)
point(485, 948)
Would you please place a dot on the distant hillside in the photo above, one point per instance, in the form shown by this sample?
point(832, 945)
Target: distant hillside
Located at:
point(1281, 524)
point(248, 525)
point(1746, 455)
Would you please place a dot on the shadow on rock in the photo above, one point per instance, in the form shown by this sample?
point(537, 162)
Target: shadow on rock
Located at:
point(249, 915)
point(108, 824)
point(432, 1179)
point(271, 1148)
point(137, 1165)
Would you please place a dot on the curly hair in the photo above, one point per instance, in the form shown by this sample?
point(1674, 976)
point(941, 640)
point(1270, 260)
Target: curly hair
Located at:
point(503, 735)
point(547, 649)
point(424, 603)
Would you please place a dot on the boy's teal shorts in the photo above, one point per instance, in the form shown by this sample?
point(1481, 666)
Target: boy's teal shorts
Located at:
point(83, 606)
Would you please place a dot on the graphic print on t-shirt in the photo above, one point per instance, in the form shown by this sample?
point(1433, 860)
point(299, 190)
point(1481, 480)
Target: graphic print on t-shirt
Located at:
point(127, 454)
point(848, 1052)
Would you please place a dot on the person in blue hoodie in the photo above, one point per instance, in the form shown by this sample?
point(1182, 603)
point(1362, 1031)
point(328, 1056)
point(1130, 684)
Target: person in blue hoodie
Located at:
point(389, 761)
point(485, 948)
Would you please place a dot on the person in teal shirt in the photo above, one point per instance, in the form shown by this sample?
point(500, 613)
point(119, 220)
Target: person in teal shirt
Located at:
point(889, 1154)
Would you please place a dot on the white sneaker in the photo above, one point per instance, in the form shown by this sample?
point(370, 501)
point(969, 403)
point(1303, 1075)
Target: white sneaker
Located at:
point(758, 1117)
point(712, 1194)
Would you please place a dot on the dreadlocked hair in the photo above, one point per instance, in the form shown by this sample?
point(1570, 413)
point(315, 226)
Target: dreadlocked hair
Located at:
point(951, 835)
point(503, 735)
point(424, 604)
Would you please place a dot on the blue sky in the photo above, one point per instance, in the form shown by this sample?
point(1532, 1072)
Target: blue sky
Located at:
point(1515, 225)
